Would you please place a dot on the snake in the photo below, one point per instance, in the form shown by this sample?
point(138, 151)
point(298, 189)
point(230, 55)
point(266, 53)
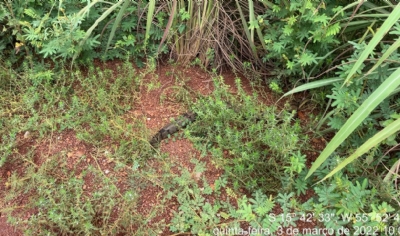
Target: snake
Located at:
point(182, 122)
point(173, 127)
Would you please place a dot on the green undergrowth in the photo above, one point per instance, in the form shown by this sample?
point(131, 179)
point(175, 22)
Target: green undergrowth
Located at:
point(252, 141)
point(62, 195)
point(62, 206)
point(92, 103)
point(260, 149)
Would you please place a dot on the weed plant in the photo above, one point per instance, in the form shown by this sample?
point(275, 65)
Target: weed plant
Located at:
point(94, 104)
point(42, 101)
point(258, 147)
point(253, 142)
point(62, 204)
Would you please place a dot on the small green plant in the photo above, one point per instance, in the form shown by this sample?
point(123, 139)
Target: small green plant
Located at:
point(274, 86)
point(247, 139)
point(258, 212)
point(296, 34)
point(297, 164)
point(194, 214)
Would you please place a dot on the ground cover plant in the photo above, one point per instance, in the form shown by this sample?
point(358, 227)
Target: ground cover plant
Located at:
point(75, 157)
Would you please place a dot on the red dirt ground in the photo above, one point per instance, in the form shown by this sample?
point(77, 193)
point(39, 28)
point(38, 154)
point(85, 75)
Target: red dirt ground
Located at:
point(156, 115)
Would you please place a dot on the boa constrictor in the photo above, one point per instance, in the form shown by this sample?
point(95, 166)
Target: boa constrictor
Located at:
point(183, 121)
point(173, 127)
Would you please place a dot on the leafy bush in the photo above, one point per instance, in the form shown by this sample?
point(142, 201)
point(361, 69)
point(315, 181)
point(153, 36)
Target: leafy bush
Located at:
point(298, 34)
point(251, 141)
point(69, 29)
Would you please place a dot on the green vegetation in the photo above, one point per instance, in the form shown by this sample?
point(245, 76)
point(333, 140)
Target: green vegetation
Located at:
point(73, 74)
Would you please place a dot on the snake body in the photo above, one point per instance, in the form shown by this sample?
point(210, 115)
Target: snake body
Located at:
point(182, 122)
point(173, 127)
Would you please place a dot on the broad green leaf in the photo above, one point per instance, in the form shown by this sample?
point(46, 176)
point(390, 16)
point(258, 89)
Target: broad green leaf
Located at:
point(117, 22)
point(372, 142)
point(150, 12)
point(383, 91)
point(312, 85)
point(383, 30)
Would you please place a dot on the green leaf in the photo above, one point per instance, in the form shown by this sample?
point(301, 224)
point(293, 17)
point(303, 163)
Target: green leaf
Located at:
point(386, 26)
point(383, 91)
point(253, 25)
point(48, 50)
point(31, 12)
point(372, 142)
point(277, 47)
point(287, 30)
point(307, 59)
point(184, 14)
point(292, 20)
point(150, 12)
point(312, 85)
point(321, 18)
point(290, 65)
point(333, 29)
point(246, 211)
point(117, 22)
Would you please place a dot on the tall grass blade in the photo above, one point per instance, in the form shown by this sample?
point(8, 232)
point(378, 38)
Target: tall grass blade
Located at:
point(86, 9)
point(379, 9)
point(383, 30)
point(393, 48)
point(372, 142)
point(383, 91)
point(150, 12)
point(312, 85)
point(252, 18)
point(169, 24)
point(246, 29)
point(117, 22)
